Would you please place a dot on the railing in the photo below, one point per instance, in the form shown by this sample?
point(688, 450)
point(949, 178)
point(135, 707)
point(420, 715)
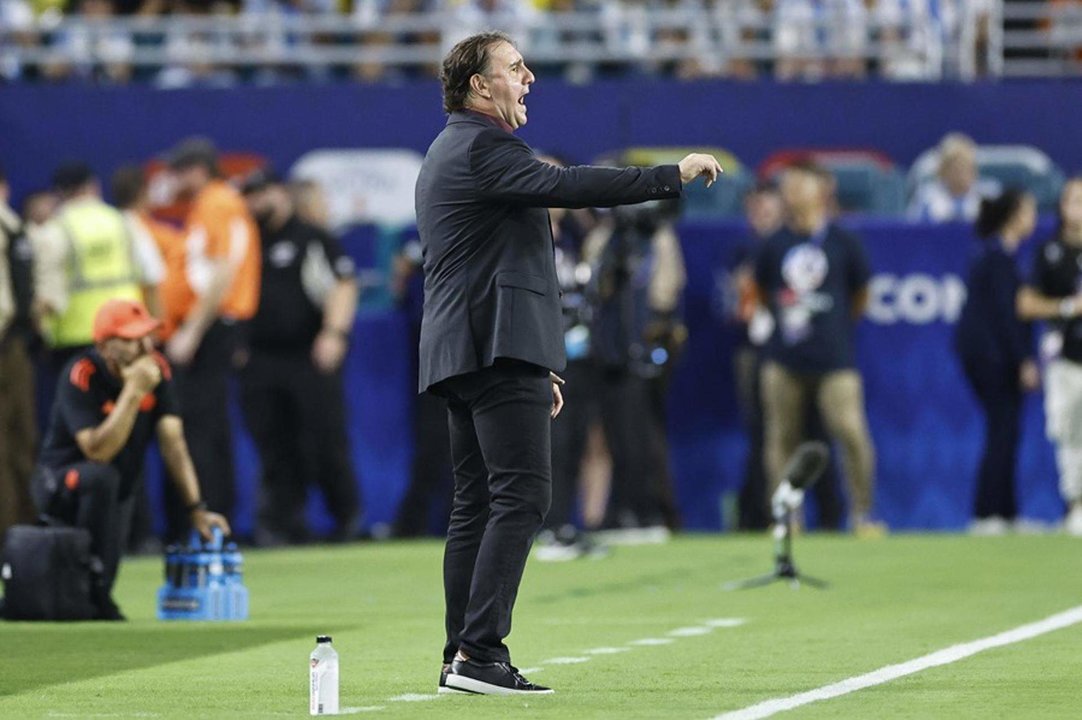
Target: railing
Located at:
point(1042, 39)
point(710, 41)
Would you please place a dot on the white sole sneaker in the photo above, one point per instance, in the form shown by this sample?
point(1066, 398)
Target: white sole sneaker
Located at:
point(478, 687)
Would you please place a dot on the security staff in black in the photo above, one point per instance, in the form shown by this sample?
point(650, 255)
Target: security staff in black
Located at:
point(492, 333)
point(292, 384)
point(110, 400)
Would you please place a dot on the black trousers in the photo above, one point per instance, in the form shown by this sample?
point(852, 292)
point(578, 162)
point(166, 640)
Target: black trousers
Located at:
point(203, 389)
point(1000, 397)
point(427, 501)
point(297, 417)
point(502, 452)
point(86, 495)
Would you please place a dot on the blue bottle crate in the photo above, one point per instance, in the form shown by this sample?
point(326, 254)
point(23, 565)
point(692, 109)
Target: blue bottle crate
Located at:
point(203, 581)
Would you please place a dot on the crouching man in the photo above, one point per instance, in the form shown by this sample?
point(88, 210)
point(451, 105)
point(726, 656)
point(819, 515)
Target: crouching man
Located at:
point(110, 400)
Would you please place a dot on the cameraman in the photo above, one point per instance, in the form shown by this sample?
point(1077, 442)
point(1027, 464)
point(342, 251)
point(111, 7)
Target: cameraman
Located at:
point(636, 335)
point(109, 400)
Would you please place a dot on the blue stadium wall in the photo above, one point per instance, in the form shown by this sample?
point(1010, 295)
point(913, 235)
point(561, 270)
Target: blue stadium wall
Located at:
point(923, 418)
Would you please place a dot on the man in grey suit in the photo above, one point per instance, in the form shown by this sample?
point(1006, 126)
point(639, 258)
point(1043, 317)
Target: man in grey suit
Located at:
point(491, 335)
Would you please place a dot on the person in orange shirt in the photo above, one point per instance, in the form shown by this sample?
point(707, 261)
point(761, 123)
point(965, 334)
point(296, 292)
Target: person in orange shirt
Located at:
point(213, 292)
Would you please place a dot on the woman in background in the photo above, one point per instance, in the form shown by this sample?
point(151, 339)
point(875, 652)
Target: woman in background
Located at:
point(996, 350)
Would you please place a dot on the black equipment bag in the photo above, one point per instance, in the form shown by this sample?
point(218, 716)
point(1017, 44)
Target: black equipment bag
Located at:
point(48, 573)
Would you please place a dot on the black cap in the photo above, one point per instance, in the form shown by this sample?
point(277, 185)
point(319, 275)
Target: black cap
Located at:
point(323, 639)
point(71, 176)
point(258, 180)
point(193, 151)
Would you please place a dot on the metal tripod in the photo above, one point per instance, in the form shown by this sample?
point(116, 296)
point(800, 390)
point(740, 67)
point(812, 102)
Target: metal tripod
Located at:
point(784, 569)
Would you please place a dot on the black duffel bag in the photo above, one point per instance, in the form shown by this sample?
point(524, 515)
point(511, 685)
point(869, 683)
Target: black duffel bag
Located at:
point(49, 573)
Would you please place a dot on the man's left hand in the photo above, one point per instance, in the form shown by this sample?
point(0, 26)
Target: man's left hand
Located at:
point(557, 396)
point(181, 348)
point(205, 521)
point(328, 351)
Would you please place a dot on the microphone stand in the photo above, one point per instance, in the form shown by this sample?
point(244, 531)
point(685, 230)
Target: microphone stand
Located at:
point(784, 568)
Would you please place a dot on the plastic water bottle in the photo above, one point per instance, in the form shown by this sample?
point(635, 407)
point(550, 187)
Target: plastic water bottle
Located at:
point(323, 685)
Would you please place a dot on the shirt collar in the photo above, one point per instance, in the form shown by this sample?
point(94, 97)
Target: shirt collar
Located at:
point(489, 119)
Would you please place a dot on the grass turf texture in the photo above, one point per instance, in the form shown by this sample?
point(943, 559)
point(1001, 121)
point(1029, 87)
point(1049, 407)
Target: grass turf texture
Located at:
point(890, 601)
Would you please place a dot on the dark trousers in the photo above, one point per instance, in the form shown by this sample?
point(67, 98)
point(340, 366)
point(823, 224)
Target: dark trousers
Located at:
point(18, 434)
point(428, 498)
point(633, 417)
point(502, 452)
point(86, 495)
point(297, 417)
point(203, 389)
point(1000, 397)
point(569, 436)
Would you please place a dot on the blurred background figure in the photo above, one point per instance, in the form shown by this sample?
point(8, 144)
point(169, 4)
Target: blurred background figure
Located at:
point(562, 536)
point(955, 195)
point(292, 390)
point(636, 337)
point(217, 288)
point(997, 353)
point(18, 435)
point(83, 257)
point(813, 276)
point(1054, 293)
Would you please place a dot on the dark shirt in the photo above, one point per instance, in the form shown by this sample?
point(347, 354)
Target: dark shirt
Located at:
point(808, 284)
point(1057, 273)
point(301, 262)
point(989, 332)
point(85, 395)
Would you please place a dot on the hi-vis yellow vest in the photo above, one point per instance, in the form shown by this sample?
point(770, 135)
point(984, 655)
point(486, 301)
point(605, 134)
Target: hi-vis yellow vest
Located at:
point(101, 266)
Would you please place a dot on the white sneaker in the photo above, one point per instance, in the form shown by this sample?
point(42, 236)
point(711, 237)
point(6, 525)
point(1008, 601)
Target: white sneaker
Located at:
point(989, 526)
point(1029, 526)
point(1073, 523)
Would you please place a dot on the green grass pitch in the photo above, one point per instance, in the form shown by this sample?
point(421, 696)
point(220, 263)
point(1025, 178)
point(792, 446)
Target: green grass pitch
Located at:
point(890, 601)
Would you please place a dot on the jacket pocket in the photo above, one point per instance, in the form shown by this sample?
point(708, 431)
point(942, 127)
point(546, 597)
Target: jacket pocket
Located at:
point(523, 281)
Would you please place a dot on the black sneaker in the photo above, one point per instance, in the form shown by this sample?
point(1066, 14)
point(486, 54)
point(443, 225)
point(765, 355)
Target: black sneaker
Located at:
point(443, 687)
point(498, 678)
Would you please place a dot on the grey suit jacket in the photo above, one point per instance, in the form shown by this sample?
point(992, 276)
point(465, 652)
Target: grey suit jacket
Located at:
point(490, 278)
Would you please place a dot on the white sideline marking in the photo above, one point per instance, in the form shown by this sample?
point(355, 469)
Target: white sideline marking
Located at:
point(725, 622)
point(530, 671)
point(355, 710)
point(566, 660)
point(691, 631)
point(606, 650)
point(413, 697)
point(650, 642)
point(954, 653)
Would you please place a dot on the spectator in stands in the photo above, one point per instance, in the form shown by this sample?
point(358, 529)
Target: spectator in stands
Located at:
point(813, 276)
point(219, 289)
point(110, 399)
point(292, 389)
point(94, 49)
point(17, 432)
point(997, 353)
point(955, 195)
point(191, 52)
point(83, 257)
point(815, 39)
point(17, 20)
point(1054, 294)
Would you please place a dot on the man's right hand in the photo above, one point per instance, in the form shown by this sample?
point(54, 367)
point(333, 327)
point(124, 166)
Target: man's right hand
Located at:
point(143, 375)
point(697, 164)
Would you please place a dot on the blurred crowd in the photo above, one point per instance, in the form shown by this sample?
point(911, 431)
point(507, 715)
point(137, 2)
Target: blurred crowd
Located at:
point(253, 287)
point(178, 43)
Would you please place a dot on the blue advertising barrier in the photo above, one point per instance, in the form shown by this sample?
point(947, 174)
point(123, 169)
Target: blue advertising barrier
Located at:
point(43, 125)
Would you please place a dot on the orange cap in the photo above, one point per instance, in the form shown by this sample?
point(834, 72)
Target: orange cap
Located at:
point(123, 319)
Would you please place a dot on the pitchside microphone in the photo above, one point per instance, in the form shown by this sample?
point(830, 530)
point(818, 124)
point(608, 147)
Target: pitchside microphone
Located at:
point(804, 469)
